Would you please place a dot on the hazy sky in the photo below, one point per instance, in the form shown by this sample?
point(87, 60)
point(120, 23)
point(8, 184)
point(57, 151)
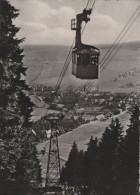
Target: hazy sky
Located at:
point(48, 21)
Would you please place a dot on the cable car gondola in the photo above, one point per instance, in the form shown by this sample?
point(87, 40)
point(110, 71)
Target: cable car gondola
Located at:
point(85, 58)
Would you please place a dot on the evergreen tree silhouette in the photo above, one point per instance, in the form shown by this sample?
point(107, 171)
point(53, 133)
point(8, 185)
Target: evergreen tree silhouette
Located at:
point(73, 170)
point(19, 167)
point(91, 166)
point(130, 155)
point(109, 161)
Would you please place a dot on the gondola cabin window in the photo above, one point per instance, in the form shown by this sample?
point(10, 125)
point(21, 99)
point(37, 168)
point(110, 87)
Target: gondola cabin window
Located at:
point(73, 24)
point(94, 61)
point(86, 60)
point(78, 60)
point(73, 58)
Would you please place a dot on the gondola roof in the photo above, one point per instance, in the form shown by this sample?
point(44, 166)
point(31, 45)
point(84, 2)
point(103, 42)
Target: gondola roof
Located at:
point(86, 49)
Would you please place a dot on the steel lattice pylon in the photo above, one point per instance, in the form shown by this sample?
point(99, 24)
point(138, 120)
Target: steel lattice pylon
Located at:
point(53, 165)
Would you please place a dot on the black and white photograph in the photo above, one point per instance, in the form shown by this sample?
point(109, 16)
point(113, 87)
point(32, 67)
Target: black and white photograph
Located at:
point(69, 97)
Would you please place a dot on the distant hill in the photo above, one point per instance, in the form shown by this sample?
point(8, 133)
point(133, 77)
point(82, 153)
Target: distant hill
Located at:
point(121, 74)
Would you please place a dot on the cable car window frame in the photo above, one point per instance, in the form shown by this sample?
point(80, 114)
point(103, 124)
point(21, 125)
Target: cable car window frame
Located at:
point(74, 58)
point(95, 59)
point(73, 24)
point(86, 60)
point(78, 59)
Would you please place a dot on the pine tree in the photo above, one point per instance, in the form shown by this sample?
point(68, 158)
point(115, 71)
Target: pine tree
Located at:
point(73, 170)
point(19, 166)
point(91, 164)
point(130, 155)
point(109, 158)
point(81, 168)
